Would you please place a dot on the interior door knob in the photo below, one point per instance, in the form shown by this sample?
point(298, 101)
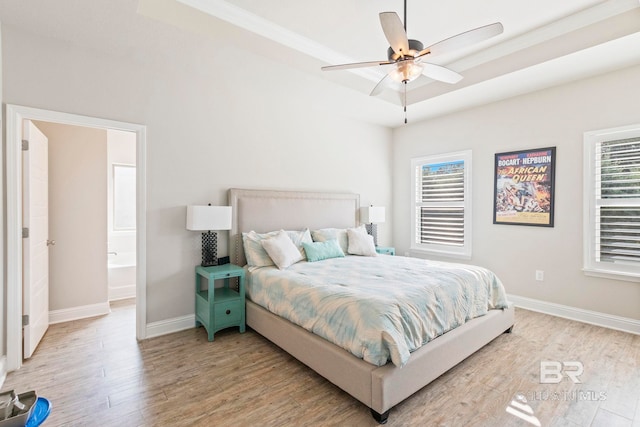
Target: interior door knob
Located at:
point(51, 242)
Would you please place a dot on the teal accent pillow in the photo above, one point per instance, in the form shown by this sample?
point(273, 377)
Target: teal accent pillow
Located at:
point(317, 251)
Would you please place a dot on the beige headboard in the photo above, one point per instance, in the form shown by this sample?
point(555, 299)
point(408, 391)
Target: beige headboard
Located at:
point(269, 210)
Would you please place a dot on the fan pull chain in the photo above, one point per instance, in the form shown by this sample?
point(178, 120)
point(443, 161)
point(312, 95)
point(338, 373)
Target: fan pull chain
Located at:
point(405, 102)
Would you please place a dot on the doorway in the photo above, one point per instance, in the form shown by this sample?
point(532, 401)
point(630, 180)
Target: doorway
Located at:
point(91, 220)
point(15, 117)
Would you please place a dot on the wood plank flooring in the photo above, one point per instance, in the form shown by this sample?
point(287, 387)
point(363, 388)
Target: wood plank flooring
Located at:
point(96, 374)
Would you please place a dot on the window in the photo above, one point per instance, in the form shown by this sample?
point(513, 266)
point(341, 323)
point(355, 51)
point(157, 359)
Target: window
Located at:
point(441, 218)
point(612, 203)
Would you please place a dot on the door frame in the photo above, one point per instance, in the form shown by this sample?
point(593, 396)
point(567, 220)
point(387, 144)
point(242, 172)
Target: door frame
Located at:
point(15, 114)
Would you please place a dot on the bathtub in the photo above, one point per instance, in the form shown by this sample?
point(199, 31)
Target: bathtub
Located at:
point(121, 275)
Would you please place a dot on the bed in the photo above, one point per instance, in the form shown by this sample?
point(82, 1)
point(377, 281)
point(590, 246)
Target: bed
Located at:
point(378, 387)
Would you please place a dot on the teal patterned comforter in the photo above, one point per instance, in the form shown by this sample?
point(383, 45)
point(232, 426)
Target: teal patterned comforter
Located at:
point(378, 308)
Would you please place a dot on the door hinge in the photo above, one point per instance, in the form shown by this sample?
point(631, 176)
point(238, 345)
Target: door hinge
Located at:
point(25, 233)
point(25, 145)
point(25, 320)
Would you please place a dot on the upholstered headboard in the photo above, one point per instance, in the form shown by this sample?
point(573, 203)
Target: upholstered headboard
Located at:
point(269, 210)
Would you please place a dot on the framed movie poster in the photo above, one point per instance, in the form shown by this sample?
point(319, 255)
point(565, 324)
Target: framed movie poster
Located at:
point(524, 187)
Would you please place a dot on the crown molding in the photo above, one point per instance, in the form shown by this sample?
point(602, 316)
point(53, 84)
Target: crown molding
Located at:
point(576, 21)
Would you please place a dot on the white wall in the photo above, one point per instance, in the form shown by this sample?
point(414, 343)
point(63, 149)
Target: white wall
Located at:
point(554, 117)
point(210, 127)
point(77, 215)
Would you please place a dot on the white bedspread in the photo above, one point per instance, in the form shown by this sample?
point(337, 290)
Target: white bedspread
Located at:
point(378, 308)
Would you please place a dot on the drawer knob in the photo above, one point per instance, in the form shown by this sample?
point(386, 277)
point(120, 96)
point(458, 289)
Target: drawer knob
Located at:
point(228, 311)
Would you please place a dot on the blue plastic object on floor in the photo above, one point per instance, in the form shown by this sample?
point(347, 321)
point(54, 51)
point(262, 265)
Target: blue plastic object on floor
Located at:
point(40, 412)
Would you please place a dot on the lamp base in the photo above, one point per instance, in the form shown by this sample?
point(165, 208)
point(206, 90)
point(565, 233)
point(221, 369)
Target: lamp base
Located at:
point(209, 249)
point(372, 230)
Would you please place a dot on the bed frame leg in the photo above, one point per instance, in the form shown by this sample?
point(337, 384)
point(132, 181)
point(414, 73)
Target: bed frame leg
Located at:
point(381, 418)
point(508, 331)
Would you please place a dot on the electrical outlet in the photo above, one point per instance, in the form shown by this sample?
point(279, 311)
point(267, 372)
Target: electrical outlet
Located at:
point(539, 275)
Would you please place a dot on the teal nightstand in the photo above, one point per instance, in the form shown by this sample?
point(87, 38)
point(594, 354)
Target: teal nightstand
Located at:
point(385, 250)
point(219, 308)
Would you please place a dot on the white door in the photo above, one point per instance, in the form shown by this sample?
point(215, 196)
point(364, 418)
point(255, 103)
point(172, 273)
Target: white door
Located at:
point(35, 248)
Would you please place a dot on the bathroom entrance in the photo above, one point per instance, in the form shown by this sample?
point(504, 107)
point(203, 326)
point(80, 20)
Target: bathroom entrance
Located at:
point(95, 200)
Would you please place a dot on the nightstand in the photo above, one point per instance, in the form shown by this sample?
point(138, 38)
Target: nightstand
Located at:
point(222, 307)
point(385, 250)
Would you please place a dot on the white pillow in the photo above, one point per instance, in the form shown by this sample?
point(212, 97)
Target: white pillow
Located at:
point(360, 243)
point(258, 257)
point(253, 250)
point(300, 237)
point(282, 250)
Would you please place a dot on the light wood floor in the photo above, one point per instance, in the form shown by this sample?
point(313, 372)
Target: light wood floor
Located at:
point(96, 374)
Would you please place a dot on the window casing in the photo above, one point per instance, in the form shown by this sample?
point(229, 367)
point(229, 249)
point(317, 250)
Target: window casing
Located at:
point(441, 204)
point(612, 203)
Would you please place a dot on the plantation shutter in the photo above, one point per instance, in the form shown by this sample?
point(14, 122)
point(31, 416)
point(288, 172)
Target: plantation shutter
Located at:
point(617, 195)
point(440, 204)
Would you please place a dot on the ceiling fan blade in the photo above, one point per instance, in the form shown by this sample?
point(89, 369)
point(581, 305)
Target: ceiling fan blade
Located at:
point(394, 32)
point(381, 85)
point(355, 65)
point(440, 73)
point(463, 39)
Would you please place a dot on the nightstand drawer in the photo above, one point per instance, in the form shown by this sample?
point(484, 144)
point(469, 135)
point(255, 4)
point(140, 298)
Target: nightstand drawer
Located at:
point(228, 313)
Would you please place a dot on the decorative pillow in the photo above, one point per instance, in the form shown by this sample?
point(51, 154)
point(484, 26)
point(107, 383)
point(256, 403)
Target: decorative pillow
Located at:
point(253, 250)
point(258, 257)
point(282, 250)
point(360, 243)
point(339, 234)
point(300, 237)
point(317, 251)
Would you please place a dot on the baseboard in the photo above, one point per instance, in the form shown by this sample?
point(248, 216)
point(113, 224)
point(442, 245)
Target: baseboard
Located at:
point(610, 321)
point(76, 313)
point(169, 326)
point(122, 292)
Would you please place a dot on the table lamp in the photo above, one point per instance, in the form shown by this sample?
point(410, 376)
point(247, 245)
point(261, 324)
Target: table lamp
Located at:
point(371, 216)
point(208, 218)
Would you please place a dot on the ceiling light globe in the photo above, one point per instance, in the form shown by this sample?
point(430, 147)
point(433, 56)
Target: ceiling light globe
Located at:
point(406, 71)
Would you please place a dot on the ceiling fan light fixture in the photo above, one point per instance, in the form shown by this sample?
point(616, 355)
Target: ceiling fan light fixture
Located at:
point(415, 47)
point(406, 71)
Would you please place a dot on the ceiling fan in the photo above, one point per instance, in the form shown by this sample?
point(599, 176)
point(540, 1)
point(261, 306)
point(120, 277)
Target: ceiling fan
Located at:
point(409, 56)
